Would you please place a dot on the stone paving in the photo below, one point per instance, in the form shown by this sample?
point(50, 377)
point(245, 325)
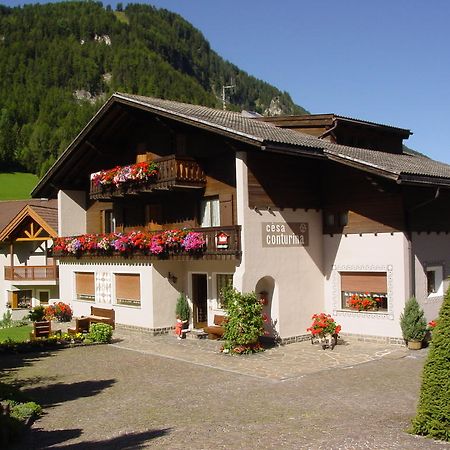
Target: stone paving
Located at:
point(158, 392)
point(276, 364)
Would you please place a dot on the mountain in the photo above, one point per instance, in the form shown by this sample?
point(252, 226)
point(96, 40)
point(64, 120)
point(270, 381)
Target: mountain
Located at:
point(60, 61)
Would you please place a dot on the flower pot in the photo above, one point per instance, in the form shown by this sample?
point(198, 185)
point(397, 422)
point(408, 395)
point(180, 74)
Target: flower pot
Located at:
point(414, 345)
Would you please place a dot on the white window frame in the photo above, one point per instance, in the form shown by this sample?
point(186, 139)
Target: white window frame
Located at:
point(214, 288)
point(438, 278)
point(74, 290)
point(114, 293)
point(210, 212)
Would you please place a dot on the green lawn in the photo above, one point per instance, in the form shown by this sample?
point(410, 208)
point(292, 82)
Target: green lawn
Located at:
point(17, 334)
point(16, 185)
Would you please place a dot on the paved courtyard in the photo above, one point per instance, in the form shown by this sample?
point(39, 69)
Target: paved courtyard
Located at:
point(157, 392)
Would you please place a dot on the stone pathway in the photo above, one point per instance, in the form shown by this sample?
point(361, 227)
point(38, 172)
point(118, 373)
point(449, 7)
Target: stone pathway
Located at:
point(277, 363)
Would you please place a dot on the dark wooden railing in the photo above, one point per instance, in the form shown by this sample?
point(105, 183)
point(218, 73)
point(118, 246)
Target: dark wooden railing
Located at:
point(180, 172)
point(25, 273)
point(221, 243)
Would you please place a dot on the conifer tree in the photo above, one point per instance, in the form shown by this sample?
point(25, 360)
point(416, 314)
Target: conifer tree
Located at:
point(433, 412)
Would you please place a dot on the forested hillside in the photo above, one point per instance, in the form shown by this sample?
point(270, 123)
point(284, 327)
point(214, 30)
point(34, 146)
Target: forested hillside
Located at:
point(59, 62)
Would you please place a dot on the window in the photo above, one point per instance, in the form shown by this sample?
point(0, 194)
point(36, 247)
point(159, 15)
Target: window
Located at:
point(364, 291)
point(44, 297)
point(109, 223)
point(85, 286)
point(222, 281)
point(210, 212)
point(434, 276)
point(24, 298)
point(128, 289)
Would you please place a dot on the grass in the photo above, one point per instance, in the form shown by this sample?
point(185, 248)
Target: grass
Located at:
point(16, 185)
point(122, 17)
point(17, 334)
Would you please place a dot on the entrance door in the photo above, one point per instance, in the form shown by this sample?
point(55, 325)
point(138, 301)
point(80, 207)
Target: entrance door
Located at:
point(200, 299)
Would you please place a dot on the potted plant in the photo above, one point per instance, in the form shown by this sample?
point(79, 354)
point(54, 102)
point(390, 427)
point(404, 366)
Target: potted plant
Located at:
point(324, 330)
point(182, 310)
point(413, 324)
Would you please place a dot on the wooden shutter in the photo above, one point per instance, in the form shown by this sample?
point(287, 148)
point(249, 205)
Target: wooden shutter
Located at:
point(364, 282)
point(84, 282)
point(226, 209)
point(128, 286)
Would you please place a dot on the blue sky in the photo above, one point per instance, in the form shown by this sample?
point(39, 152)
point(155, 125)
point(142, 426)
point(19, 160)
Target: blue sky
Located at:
point(386, 61)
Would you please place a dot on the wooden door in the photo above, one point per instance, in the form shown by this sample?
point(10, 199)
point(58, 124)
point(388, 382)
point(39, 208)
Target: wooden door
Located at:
point(200, 299)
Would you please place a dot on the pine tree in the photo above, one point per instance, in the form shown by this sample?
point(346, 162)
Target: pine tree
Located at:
point(433, 412)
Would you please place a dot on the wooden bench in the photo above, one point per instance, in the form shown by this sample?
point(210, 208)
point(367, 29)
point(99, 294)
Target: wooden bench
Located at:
point(102, 315)
point(217, 330)
point(43, 329)
point(81, 326)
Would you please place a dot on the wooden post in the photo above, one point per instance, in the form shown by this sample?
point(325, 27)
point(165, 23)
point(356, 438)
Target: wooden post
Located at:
point(11, 258)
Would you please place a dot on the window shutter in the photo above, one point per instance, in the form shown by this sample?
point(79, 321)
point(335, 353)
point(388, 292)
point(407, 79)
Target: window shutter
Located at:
point(375, 282)
point(226, 209)
point(128, 286)
point(84, 282)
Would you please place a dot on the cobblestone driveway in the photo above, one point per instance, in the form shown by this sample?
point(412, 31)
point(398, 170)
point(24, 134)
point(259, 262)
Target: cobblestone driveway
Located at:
point(162, 393)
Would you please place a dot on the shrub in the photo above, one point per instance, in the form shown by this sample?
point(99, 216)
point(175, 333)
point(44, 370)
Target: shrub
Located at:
point(412, 321)
point(100, 332)
point(245, 322)
point(7, 321)
point(37, 314)
point(182, 309)
point(433, 412)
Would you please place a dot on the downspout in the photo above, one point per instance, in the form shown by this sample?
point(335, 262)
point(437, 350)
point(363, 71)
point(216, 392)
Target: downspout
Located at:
point(409, 238)
point(329, 131)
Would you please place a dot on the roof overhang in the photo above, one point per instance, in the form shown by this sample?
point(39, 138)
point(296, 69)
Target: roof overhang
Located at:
point(23, 214)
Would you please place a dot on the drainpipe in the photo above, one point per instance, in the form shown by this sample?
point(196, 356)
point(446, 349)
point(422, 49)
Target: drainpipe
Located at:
point(409, 238)
point(329, 131)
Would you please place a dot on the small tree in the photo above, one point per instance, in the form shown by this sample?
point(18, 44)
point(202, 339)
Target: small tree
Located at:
point(244, 323)
point(433, 412)
point(412, 321)
point(182, 309)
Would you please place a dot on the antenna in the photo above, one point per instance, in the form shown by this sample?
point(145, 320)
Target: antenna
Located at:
point(224, 88)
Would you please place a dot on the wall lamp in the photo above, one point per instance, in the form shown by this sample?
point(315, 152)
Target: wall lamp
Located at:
point(172, 278)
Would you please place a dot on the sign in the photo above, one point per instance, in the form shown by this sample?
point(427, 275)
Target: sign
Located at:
point(283, 234)
point(222, 240)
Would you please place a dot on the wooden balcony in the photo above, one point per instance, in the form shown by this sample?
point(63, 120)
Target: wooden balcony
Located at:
point(31, 273)
point(221, 243)
point(174, 172)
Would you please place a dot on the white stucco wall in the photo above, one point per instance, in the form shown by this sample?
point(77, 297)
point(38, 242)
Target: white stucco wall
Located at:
point(71, 213)
point(368, 252)
point(430, 250)
point(297, 271)
point(158, 294)
point(105, 290)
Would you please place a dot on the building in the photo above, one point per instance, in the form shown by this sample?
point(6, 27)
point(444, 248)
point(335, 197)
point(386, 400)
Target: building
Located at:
point(302, 219)
point(28, 277)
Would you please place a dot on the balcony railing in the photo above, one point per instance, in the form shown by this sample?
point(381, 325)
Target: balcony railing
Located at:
point(174, 172)
point(31, 273)
point(220, 243)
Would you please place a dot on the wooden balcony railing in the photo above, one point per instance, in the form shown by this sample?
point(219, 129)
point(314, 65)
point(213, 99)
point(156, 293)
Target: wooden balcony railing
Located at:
point(174, 172)
point(31, 273)
point(221, 243)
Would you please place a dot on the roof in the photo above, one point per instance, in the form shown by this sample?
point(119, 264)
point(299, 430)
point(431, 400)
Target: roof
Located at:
point(265, 136)
point(306, 120)
point(12, 213)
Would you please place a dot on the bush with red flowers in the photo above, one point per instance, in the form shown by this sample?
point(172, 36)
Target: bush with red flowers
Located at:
point(323, 324)
point(59, 311)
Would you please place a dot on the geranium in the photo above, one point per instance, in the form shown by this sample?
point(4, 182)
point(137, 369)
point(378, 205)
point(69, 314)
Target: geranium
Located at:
point(193, 241)
point(134, 173)
point(59, 311)
point(432, 324)
point(154, 243)
point(363, 302)
point(323, 324)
